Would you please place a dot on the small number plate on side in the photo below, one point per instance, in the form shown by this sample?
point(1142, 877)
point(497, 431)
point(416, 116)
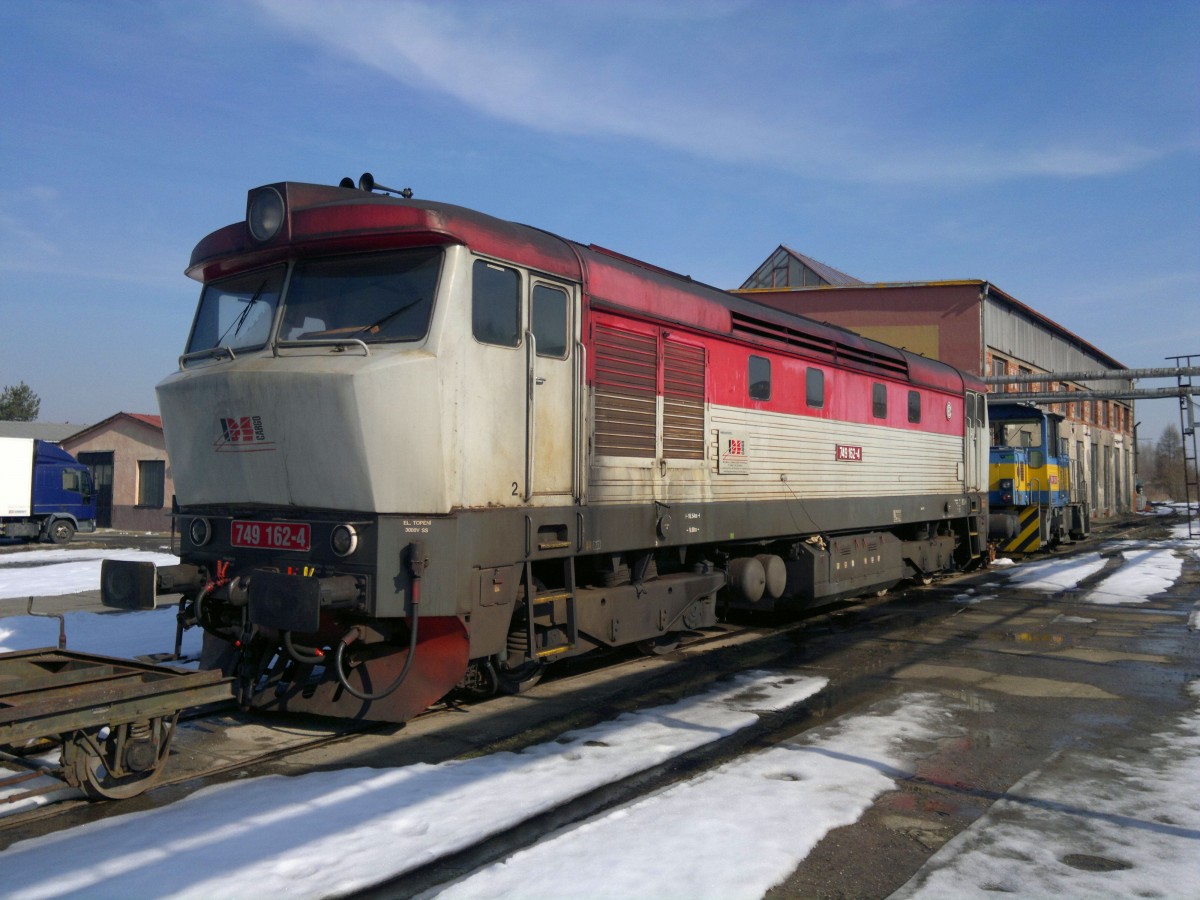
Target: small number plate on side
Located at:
point(271, 535)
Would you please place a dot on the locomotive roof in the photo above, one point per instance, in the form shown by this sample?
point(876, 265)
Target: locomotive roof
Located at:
point(350, 220)
point(1015, 410)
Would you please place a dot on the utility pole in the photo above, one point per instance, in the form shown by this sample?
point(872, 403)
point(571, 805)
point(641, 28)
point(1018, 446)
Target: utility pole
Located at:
point(1187, 430)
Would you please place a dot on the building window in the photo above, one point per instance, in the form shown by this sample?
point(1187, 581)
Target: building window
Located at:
point(152, 480)
point(879, 401)
point(814, 388)
point(760, 378)
point(914, 406)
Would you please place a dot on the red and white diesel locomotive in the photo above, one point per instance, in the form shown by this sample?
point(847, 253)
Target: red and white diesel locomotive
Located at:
point(417, 447)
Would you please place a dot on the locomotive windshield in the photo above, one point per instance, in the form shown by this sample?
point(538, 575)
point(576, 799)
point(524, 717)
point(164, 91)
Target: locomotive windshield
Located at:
point(237, 312)
point(379, 297)
point(382, 297)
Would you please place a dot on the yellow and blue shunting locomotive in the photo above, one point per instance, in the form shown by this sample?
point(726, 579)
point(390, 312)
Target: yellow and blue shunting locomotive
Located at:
point(1037, 493)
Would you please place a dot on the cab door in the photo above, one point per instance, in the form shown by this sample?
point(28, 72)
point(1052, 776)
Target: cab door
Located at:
point(975, 444)
point(552, 390)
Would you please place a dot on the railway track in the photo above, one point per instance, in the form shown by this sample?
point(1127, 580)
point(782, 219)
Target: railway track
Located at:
point(866, 680)
point(583, 693)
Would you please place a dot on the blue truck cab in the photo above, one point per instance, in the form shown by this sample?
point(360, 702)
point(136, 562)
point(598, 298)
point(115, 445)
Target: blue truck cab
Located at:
point(45, 493)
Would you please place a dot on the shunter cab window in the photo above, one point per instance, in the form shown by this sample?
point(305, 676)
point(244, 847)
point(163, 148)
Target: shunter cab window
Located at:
point(550, 321)
point(879, 401)
point(814, 388)
point(760, 378)
point(1016, 434)
point(377, 297)
point(914, 406)
point(496, 304)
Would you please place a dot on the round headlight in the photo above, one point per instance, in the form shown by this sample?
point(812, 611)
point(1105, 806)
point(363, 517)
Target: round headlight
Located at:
point(343, 540)
point(200, 531)
point(266, 214)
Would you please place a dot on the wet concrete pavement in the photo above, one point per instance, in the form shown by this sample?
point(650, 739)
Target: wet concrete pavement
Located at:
point(1032, 679)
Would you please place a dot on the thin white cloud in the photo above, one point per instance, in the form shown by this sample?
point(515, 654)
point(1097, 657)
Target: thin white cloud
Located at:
point(535, 66)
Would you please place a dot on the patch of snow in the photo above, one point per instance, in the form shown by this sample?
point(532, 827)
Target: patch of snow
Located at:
point(329, 833)
point(1146, 572)
point(62, 572)
point(736, 831)
point(1053, 575)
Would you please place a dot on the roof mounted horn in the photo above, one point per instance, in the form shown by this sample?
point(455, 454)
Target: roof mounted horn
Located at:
point(366, 182)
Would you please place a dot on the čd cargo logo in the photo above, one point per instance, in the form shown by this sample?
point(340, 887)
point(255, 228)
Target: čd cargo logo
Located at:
point(244, 434)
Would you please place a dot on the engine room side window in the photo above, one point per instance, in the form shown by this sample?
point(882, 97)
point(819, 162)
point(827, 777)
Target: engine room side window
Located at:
point(496, 304)
point(550, 321)
point(879, 401)
point(760, 378)
point(914, 406)
point(814, 388)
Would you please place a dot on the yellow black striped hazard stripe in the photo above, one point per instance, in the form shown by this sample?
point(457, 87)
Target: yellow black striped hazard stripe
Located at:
point(1029, 532)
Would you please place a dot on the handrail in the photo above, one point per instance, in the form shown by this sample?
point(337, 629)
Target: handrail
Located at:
point(1035, 487)
point(530, 412)
point(580, 442)
point(339, 343)
point(208, 351)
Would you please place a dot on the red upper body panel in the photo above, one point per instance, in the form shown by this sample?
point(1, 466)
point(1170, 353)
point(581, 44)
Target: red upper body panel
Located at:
point(323, 219)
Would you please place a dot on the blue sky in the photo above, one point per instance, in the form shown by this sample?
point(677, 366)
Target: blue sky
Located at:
point(1052, 148)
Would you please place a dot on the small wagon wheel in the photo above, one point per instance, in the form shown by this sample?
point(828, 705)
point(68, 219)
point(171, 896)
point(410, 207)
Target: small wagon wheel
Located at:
point(119, 761)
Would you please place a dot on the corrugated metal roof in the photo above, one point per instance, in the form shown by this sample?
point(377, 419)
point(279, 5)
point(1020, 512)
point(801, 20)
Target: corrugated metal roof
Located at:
point(51, 432)
point(993, 292)
point(829, 273)
point(793, 266)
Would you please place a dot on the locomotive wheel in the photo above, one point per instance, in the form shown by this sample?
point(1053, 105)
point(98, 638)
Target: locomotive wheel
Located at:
point(119, 764)
point(522, 678)
point(483, 682)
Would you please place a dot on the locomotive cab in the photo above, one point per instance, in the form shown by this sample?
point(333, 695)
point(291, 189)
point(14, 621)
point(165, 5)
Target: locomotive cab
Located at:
point(1034, 481)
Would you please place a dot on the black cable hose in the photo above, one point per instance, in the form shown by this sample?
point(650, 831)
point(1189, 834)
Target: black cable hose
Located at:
point(311, 656)
point(391, 688)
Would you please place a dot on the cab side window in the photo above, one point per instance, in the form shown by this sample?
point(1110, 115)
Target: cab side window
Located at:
point(550, 320)
point(496, 304)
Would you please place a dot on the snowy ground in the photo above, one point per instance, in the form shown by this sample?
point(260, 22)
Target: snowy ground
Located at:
point(1067, 829)
point(51, 573)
